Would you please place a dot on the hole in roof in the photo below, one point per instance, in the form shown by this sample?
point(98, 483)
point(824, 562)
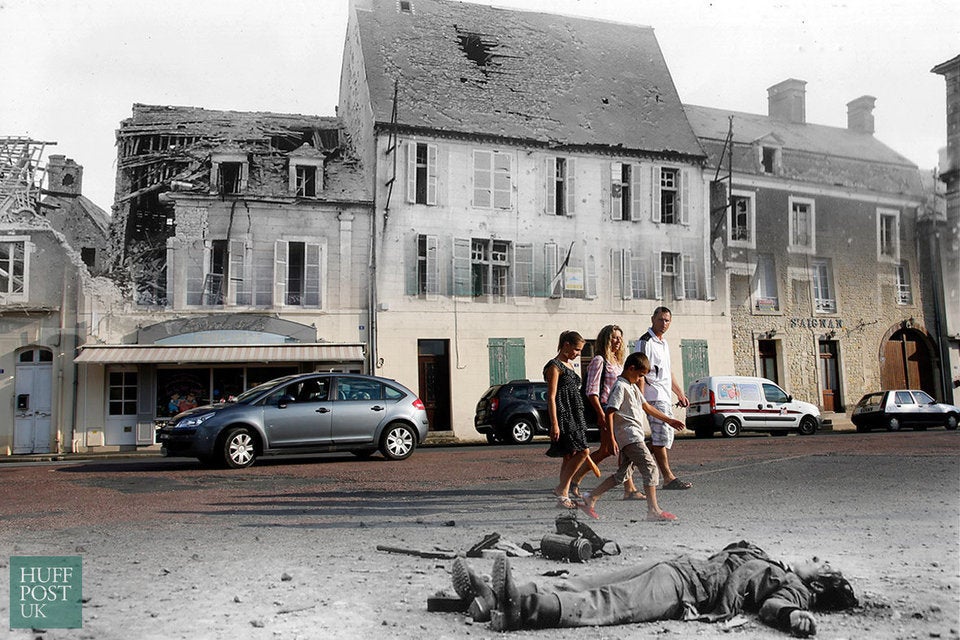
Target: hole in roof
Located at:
point(406, 7)
point(477, 49)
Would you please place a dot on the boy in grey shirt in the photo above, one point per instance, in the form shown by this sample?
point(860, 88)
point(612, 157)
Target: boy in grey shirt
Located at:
point(625, 410)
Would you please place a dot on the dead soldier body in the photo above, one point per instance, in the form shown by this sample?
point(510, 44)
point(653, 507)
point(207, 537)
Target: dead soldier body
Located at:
point(741, 577)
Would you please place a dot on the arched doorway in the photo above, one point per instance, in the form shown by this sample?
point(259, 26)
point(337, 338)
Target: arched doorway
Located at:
point(907, 362)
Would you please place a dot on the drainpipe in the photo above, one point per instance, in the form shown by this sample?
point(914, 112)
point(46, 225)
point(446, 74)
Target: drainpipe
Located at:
point(373, 356)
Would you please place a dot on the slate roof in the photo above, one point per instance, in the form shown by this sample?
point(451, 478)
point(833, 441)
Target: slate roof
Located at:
point(474, 69)
point(810, 152)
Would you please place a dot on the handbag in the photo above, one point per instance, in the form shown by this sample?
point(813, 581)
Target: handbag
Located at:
point(589, 413)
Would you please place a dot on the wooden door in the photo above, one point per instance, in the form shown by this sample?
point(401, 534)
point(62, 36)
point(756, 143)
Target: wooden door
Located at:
point(434, 382)
point(830, 375)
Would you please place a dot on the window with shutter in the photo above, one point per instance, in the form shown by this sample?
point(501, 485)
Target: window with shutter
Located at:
point(461, 267)
point(523, 271)
point(691, 287)
point(14, 269)
point(238, 280)
point(428, 266)
point(421, 173)
point(280, 273)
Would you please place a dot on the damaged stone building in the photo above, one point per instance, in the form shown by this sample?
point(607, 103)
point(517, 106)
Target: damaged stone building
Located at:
point(815, 240)
point(49, 241)
point(531, 173)
point(241, 244)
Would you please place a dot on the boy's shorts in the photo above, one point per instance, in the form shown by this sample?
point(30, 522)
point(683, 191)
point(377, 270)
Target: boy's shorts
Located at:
point(636, 455)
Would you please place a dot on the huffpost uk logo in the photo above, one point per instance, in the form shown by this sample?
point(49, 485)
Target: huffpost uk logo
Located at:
point(46, 592)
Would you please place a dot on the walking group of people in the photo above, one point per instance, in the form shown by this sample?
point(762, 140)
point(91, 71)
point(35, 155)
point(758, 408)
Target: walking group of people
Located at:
point(622, 394)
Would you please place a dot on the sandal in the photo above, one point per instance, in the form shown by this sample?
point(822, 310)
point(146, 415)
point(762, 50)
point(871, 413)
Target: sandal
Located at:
point(677, 483)
point(663, 516)
point(564, 502)
point(634, 495)
point(589, 510)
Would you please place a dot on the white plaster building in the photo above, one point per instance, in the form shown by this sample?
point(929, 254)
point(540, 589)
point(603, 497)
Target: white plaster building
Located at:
point(531, 173)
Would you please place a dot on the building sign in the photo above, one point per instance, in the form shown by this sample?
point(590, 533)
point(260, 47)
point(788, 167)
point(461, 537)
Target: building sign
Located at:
point(816, 323)
point(574, 279)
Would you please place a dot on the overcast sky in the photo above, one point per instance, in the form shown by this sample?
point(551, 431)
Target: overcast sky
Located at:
point(71, 69)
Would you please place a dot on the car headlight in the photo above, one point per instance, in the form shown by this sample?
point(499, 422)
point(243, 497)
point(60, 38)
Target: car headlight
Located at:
point(195, 421)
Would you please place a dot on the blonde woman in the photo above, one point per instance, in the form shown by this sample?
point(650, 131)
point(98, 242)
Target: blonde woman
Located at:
point(606, 366)
point(568, 429)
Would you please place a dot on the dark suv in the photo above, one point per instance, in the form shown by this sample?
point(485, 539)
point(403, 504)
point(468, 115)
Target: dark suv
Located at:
point(513, 412)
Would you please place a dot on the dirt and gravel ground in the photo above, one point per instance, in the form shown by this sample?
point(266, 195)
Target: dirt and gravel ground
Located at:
point(181, 552)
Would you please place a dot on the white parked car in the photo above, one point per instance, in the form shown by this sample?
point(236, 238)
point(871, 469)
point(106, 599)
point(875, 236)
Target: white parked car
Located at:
point(898, 408)
point(731, 404)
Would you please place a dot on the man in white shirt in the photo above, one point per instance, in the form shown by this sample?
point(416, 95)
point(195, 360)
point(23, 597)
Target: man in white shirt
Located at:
point(659, 386)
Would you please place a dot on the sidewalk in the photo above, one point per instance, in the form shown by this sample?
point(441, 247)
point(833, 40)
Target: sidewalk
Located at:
point(831, 422)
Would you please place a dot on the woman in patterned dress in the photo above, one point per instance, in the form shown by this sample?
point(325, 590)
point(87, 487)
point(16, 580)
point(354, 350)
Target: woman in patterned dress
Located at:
point(568, 429)
point(607, 364)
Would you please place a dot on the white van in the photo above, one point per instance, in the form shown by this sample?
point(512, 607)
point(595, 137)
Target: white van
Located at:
point(732, 404)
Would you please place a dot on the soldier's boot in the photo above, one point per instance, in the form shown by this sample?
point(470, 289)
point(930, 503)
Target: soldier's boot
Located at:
point(471, 588)
point(520, 608)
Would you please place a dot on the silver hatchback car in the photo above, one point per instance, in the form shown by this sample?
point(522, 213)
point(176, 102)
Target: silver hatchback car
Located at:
point(306, 413)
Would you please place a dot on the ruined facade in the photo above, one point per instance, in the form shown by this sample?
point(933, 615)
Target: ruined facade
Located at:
point(241, 243)
point(815, 235)
point(42, 277)
point(532, 173)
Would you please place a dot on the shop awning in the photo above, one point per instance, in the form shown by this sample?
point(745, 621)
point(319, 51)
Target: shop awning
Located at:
point(195, 354)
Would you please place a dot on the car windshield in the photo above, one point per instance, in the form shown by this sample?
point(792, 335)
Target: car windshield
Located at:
point(253, 392)
point(492, 391)
point(872, 399)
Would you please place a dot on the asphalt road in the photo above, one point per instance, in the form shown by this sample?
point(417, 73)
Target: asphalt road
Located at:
point(172, 549)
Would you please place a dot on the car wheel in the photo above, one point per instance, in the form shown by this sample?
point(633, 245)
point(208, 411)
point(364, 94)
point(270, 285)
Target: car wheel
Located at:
point(492, 438)
point(398, 441)
point(893, 424)
point(239, 448)
point(730, 428)
point(363, 454)
point(704, 432)
point(951, 423)
point(521, 431)
point(808, 426)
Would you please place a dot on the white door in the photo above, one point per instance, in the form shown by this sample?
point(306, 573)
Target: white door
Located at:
point(32, 401)
point(121, 424)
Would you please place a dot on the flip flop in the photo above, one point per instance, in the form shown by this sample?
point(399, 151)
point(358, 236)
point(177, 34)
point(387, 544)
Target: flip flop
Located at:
point(663, 516)
point(634, 495)
point(589, 510)
point(677, 483)
point(563, 502)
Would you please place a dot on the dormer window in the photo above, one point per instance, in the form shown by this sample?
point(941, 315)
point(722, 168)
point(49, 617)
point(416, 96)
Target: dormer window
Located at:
point(306, 172)
point(769, 159)
point(306, 181)
point(229, 173)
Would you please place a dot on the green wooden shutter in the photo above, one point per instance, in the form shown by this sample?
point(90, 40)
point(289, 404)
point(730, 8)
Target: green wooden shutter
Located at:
point(696, 364)
point(507, 359)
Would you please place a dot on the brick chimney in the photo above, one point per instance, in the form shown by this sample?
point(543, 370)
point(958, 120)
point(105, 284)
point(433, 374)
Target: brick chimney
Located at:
point(787, 101)
point(860, 114)
point(64, 176)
